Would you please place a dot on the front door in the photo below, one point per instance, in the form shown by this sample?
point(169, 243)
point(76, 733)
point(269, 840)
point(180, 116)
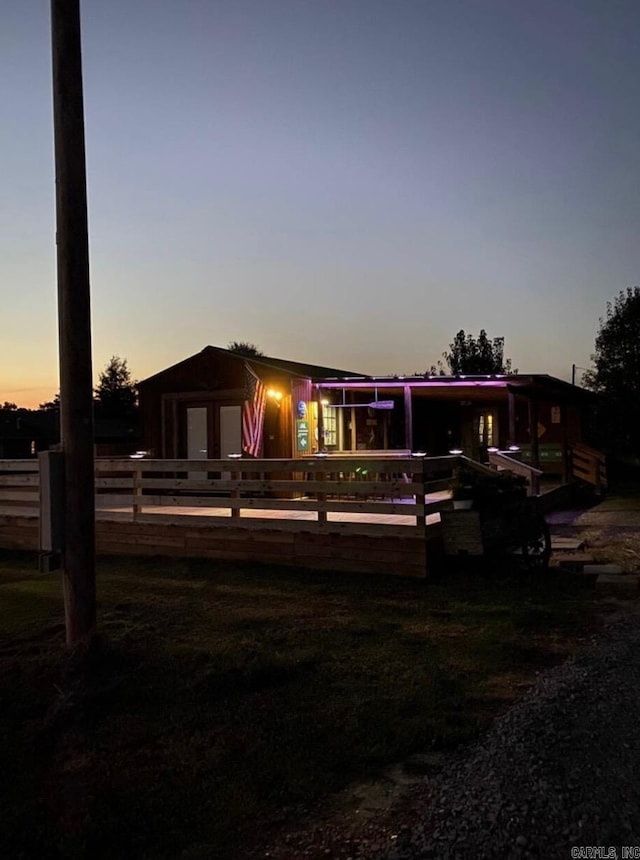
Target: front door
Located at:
point(197, 437)
point(230, 424)
point(485, 431)
point(230, 420)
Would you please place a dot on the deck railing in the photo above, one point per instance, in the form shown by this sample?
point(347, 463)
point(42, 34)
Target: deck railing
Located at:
point(279, 491)
point(502, 461)
point(246, 488)
point(19, 486)
point(589, 465)
point(317, 494)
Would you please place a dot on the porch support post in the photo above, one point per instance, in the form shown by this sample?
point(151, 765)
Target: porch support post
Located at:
point(533, 435)
point(512, 417)
point(566, 469)
point(321, 445)
point(408, 419)
point(353, 428)
point(174, 428)
point(340, 425)
point(163, 429)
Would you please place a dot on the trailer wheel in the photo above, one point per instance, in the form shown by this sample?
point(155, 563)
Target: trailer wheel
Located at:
point(536, 547)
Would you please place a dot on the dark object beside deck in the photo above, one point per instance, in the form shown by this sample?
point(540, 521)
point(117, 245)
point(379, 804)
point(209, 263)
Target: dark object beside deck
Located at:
point(515, 527)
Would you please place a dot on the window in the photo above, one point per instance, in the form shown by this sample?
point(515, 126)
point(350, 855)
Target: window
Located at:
point(486, 430)
point(330, 420)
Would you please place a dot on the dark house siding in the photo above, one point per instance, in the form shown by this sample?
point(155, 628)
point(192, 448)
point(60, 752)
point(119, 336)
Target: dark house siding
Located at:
point(213, 378)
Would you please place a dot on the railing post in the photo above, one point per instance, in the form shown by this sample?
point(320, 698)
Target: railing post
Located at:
point(137, 491)
point(602, 473)
point(535, 484)
point(421, 518)
point(52, 509)
point(421, 478)
point(235, 494)
point(321, 497)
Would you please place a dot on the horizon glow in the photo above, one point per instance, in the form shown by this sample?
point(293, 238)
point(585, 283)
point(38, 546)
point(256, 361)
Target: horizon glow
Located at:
point(344, 183)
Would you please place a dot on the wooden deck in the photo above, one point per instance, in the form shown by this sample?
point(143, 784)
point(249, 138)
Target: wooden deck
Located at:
point(381, 543)
point(381, 516)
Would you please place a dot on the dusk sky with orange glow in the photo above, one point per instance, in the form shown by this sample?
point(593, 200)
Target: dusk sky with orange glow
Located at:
point(341, 182)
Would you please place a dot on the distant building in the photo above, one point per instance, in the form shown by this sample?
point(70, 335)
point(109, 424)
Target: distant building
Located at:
point(26, 432)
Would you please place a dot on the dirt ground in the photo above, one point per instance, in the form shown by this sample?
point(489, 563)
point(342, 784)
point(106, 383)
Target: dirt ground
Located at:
point(610, 530)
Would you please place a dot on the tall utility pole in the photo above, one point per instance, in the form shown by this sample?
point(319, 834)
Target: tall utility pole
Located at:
point(74, 324)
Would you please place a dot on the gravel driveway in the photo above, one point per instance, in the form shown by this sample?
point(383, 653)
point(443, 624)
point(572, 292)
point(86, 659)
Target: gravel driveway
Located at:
point(560, 769)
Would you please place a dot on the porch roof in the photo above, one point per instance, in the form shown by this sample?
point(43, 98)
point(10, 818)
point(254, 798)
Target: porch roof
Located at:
point(469, 387)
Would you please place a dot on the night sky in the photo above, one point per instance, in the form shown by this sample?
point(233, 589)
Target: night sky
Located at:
point(344, 182)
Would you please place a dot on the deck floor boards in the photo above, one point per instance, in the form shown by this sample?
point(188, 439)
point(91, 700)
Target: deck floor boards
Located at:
point(183, 513)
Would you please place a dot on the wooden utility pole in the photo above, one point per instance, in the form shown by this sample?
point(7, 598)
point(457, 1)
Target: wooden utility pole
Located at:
point(74, 324)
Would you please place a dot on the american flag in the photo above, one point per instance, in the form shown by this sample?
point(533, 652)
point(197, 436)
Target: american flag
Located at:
point(255, 399)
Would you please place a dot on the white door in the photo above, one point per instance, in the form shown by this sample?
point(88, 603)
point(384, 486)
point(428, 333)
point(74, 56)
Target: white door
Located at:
point(197, 448)
point(230, 433)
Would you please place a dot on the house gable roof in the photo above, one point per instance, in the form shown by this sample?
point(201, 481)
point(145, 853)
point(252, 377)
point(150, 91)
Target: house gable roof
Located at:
point(291, 368)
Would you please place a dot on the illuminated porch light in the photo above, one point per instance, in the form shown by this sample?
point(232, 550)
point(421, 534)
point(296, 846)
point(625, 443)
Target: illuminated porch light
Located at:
point(492, 449)
point(418, 453)
point(234, 456)
point(455, 450)
point(321, 454)
point(274, 394)
point(514, 447)
point(138, 455)
point(325, 402)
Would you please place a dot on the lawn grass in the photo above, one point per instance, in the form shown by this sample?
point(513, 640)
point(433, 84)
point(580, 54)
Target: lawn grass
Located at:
point(219, 698)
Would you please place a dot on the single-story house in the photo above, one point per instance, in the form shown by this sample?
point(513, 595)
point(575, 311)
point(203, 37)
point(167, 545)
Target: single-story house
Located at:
point(218, 402)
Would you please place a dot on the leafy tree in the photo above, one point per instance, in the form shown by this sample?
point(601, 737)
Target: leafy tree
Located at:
point(116, 393)
point(8, 407)
point(616, 373)
point(242, 347)
point(471, 355)
point(51, 405)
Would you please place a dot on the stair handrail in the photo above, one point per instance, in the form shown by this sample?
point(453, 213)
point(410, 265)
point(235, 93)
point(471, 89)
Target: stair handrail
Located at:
point(502, 461)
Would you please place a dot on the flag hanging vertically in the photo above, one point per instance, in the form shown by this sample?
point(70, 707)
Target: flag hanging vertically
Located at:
point(255, 399)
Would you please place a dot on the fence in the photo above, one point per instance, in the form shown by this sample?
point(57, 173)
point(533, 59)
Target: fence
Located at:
point(335, 512)
point(19, 487)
